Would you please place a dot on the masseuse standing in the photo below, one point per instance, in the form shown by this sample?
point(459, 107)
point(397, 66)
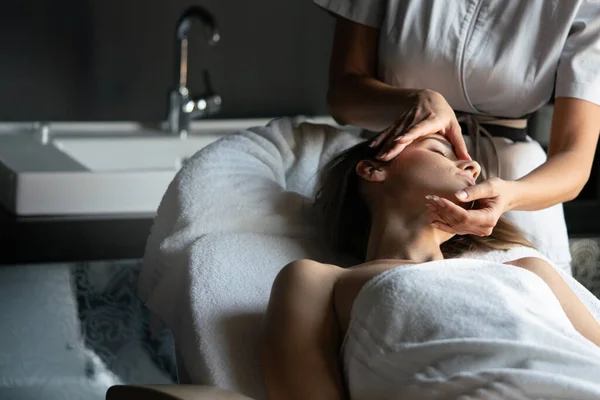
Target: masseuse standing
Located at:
point(409, 67)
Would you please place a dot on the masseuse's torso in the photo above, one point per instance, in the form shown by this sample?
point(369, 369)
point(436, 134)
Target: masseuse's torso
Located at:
point(480, 55)
point(503, 58)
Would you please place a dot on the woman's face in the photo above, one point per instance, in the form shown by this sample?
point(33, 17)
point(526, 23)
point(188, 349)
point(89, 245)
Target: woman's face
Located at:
point(427, 167)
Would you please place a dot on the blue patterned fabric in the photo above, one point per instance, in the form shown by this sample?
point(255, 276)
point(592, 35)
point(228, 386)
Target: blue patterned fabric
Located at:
point(114, 323)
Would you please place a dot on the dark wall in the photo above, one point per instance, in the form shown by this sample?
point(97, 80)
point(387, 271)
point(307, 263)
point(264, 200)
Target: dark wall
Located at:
point(113, 60)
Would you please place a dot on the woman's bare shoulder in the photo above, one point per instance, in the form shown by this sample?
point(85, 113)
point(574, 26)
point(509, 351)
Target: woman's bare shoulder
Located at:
point(311, 267)
point(538, 266)
point(530, 263)
point(307, 272)
point(301, 280)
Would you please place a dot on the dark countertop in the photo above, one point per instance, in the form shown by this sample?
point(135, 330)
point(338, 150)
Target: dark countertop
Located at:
point(583, 218)
point(28, 240)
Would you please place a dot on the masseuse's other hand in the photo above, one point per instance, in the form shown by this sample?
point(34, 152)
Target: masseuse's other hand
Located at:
point(492, 198)
point(430, 114)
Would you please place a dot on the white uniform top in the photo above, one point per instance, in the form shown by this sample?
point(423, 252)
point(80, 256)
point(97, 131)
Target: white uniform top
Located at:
point(498, 57)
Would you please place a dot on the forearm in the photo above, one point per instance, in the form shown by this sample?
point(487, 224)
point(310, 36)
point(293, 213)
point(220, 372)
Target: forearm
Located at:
point(355, 96)
point(559, 179)
point(573, 141)
point(367, 102)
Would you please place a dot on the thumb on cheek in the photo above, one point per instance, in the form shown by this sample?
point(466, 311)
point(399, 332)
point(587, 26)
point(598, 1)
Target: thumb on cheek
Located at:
point(462, 195)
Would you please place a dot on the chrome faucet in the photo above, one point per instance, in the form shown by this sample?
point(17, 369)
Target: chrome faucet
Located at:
point(182, 106)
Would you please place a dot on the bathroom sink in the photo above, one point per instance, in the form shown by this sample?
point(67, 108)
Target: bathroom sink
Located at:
point(91, 174)
point(133, 154)
point(95, 169)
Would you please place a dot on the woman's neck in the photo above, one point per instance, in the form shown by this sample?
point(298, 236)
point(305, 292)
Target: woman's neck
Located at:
point(404, 236)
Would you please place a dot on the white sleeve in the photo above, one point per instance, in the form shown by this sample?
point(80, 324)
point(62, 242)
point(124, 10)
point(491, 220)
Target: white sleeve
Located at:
point(366, 12)
point(578, 73)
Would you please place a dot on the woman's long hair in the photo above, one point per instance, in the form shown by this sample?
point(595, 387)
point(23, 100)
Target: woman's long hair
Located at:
point(346, 219)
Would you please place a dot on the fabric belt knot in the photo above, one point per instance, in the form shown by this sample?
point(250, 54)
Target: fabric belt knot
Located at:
point(513, 129)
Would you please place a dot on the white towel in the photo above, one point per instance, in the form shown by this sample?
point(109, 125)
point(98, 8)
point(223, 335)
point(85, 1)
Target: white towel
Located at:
point(502, 256)
point(465, 329)
point(231, 219)
point(258, 180)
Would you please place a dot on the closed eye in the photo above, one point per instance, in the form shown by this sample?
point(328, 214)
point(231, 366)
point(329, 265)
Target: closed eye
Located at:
point(448, 154)
point(442, 147)
point(440, 152)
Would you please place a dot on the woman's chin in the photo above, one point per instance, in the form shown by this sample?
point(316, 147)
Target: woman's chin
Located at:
point(452, 197)
point(449, 193)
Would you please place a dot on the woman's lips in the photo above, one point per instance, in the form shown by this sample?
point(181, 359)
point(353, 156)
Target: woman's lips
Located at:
point(468, 178)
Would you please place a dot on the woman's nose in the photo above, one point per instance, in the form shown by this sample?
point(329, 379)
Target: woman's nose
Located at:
point(472, 167)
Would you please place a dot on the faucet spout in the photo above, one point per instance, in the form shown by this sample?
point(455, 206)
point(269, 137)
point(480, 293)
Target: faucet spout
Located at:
point(184, 24)
point(182, 108)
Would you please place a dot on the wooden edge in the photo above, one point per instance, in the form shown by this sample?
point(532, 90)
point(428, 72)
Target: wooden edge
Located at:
point(171, 392)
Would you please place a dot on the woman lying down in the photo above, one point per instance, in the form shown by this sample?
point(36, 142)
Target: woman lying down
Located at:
point(411, 322)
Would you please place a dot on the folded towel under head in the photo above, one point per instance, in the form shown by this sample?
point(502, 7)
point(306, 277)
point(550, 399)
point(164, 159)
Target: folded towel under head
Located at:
point(258, 180)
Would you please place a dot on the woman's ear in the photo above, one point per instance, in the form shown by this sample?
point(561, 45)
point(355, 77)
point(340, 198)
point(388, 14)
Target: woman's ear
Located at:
point(371, 171)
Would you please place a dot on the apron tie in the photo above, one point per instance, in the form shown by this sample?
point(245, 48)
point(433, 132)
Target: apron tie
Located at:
point(476, 131)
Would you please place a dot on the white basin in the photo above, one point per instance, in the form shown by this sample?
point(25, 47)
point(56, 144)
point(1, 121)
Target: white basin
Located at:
point(91, 174)
point(99, 169)
point(132, 154)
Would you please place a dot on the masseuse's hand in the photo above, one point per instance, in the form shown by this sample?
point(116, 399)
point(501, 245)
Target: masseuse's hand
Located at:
point(492, 198)
point(430, 114)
